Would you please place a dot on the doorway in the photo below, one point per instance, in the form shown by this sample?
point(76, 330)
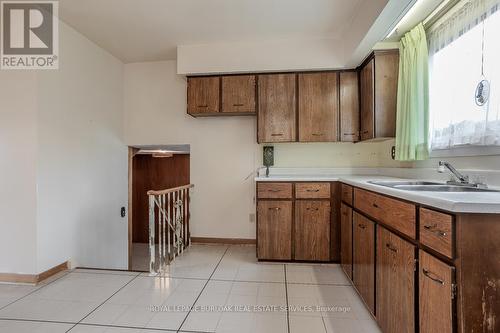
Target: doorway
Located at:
point(151, 168)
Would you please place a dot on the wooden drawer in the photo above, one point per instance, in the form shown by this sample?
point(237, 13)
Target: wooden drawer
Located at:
point(394, 213)
point(346, 194)
point(312, 190)
point(436, 231)
point(274, 190)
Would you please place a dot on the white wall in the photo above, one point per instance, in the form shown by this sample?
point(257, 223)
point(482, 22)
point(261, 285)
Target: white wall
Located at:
point(18, 98)
point(82, 164)
point(63, 164)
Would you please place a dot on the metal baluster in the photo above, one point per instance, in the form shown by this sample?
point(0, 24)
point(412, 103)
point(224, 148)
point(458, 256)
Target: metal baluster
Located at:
point(177, 227)
point(164, 220)
point(160, 216)
point(168, 223)
point(152, 269)
point(181, 214)
point(188, 218)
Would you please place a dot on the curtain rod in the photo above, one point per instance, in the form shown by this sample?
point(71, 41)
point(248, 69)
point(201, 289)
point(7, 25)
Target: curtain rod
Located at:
point(439, 13)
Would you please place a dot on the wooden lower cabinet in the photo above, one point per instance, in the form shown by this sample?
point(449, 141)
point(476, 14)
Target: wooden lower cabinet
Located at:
point(435, 295)
point(395, 291)
point(364, 259)
point(312, 230)
point(346, 239)
point(274, 230)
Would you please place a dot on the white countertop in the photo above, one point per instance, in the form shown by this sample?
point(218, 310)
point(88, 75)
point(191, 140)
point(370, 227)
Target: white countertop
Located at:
point(458, 202)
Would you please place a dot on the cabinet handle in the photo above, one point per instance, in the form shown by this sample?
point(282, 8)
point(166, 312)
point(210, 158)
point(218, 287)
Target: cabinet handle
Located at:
point(238, 104)
point(277, 134)
point(274, 190)
point(432, 228)
point(317, 134)
point(274, 208)
point(429, 274)
point(315, 209)
point(362, 226)
point(202, 106)
point(313, 190)
point(390, 247)
point(350, 134)
point(375, 205)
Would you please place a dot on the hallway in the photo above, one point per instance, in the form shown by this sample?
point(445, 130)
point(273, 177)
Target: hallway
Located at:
point(254, 296)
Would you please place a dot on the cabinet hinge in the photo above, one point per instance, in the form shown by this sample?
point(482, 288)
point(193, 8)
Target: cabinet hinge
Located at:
point(453, 290)
point(415, 261)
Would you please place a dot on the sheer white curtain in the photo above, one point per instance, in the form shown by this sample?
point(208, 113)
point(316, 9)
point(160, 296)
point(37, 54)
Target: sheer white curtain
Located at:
point(455, 49)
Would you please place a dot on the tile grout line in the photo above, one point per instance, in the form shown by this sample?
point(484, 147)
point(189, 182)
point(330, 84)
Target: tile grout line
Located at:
point(287, 305)
point(107, 299)
point(37, 289)
point(201, 292)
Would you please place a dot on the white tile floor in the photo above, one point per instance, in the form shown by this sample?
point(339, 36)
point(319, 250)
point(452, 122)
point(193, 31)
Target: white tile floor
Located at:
point(241, 295)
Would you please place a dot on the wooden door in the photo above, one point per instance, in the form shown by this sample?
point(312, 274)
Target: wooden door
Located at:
point(346, 239)
point(395, 290)
point(349, 107)
point(435, 295)
point(312, 230)
point(274, 230)
point(366, 86)
point(318, 107)
point(364, 259)
point(386, 90)
point(203, 95)
point(277, 108)
point(238, 94)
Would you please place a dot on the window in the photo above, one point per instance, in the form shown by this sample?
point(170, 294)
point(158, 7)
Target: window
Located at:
point(455, 47)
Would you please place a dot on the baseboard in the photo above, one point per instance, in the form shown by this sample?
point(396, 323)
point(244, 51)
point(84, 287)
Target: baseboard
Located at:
point(212, 240)
point(33, 278)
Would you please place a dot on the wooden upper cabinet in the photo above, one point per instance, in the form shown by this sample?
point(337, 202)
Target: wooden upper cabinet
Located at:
point(274, 230)
point(366, 86)
point(364, 259)
point(312, 230)
point(378, 88)
point(238, 94)
point(318, 107)
point(395, 291)
point(277, 108)
point(349, 107)
point(203, 95)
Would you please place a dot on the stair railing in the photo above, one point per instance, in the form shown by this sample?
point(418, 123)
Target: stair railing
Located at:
point(169, 221)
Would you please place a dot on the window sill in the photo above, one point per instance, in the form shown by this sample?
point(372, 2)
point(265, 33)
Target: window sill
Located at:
point(466, 151)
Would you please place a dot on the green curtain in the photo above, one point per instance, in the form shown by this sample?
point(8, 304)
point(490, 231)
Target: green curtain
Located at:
point(412, 122)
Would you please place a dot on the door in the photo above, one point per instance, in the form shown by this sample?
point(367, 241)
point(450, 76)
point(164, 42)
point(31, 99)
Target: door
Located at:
point(277, 108)
point(349, 107)
point(435, 295)
point(274, 230)
point(312, 230)
point(203, 95)
point(318, 107)
point(238, 94)
point(364, 259)
point(395, 289)
point(346, 239)
point(366, 86)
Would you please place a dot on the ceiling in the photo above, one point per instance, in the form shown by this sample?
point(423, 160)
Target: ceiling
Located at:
point(150, 30)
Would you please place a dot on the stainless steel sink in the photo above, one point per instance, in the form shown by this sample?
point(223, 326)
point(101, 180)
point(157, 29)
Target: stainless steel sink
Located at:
point(429, 186)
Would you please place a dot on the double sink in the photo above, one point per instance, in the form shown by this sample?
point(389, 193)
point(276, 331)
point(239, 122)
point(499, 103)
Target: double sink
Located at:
point(429, 186)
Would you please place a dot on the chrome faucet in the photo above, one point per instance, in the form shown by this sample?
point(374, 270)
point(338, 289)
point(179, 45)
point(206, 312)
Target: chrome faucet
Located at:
point(462, 179)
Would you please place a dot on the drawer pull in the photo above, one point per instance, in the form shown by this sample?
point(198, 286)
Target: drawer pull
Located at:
point(238, 104)
point(277, 134)
point(431, 276)
point(365, 132)
point(202, 106)
point(432, 228)
point(362, 226)
point(375, 205)
point(317, 134)
point(274, 190)
point(315, 209)
point(390, 247)
point(313, 190)
point(274, 208)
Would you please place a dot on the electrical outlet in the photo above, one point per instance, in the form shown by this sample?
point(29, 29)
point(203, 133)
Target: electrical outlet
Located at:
point(252, 218)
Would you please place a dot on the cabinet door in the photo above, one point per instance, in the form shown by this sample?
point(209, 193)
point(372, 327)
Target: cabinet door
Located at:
point(277, 108)
point(312, 230)
point(364, 259)
point(435, 295)
point(366, 86)
point(349, 107)
point(274, 230)
point(395, 283)
point(318, 107)
point(346, 239)
point(203, 95)
point(238, 94)
point(386, 90)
